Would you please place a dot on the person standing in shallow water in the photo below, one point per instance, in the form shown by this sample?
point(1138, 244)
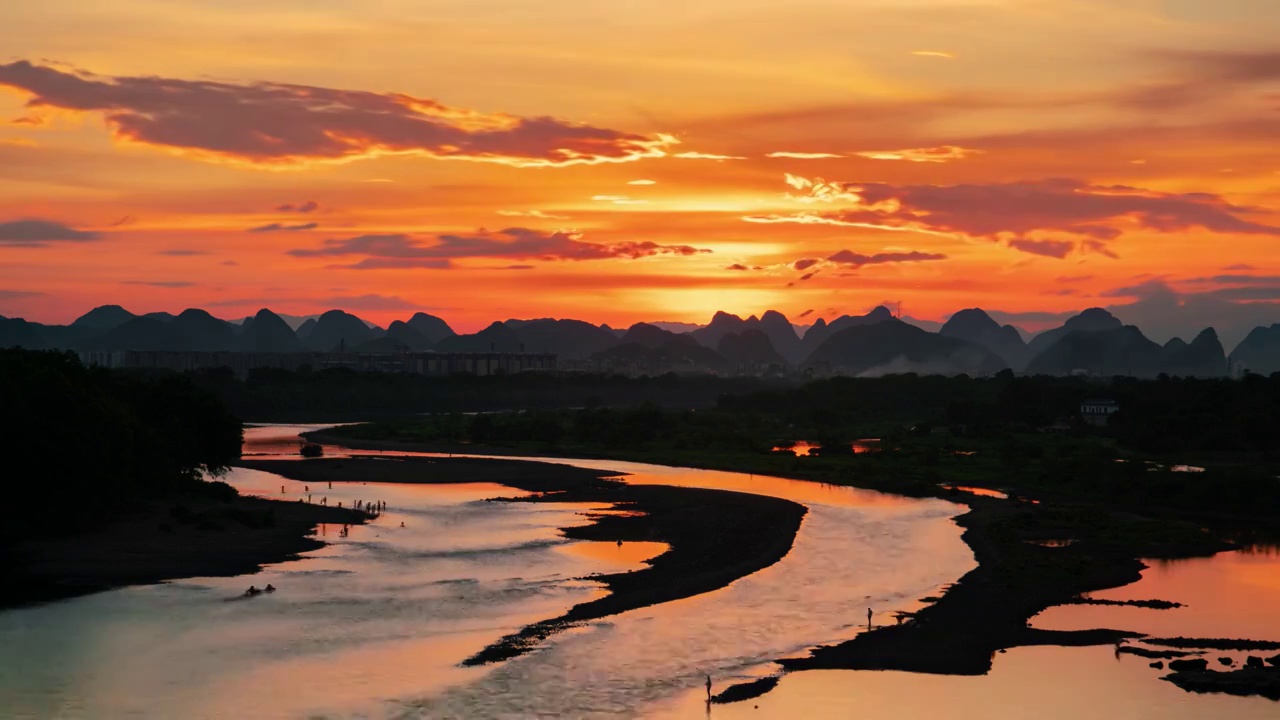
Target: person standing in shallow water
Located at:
point(868, 618)
point(708, 688)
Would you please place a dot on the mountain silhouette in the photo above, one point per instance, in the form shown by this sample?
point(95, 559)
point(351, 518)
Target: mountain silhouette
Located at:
point(304, 330)
point(1204, 357)
point(337, 329)
point(430, 327)
point(16, 332)
point(143, 333)
point(676, 355)
point(822, 330)
point(112, 327)
point(204, 331)
point(267, 332)
point(892, 346)
point(652, 336)
point(1091, 320)
point(402, 334)
point(571, 339)
point(498, 337)
point(976, 326)
point(103, 318)
point(781, 333)
point(752, 346)
point(1119, 351)
point(722, 323)
point(1259, 352)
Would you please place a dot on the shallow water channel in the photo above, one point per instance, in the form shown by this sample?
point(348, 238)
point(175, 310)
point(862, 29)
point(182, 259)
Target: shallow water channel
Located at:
point(374, 624)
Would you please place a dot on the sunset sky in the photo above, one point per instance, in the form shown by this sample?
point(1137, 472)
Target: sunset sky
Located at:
point(620, 161)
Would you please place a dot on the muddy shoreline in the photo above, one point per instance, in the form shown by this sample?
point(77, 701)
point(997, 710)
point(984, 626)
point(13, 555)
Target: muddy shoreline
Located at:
point(714, 536)
point(166, 540)
point(989, 609)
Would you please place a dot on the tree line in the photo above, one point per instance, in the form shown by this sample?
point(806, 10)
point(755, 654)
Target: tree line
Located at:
point(83, 443)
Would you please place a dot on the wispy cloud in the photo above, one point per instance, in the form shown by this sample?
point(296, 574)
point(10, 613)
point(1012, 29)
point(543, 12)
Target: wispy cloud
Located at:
point(835, 219)
point(619, 200)
point(642, 182)
point(277, 227)
point(404, 251)
point(532, 214)
point(803, 155)
point(849, 258)
point(705, 156)
point(39, 233)
point(19, 294)
point(371, 301)
point(181, 252)
point(306, 207)
point(940, 154)
point(934, 54)
point(160, 283)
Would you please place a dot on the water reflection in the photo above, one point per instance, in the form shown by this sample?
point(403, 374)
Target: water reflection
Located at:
point(374, 624)
point(618, 556)
point(985, 492)
point(1231, 595)
point(804, 448)
point(1044, 683)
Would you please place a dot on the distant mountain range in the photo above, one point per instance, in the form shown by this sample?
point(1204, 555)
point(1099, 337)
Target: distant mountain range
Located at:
point(1092, 342)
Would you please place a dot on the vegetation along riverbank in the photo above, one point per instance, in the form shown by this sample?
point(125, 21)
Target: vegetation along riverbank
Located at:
point(121, 493)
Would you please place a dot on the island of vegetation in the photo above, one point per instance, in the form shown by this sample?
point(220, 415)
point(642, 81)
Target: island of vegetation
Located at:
point(119, 491)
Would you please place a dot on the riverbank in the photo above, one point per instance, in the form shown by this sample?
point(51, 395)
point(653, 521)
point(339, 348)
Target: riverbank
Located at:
point(714, 536)
point(1031, 555)
point(158, 541)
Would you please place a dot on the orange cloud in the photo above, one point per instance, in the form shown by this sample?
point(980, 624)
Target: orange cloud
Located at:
point(280, 124)
point(533, 214)
point(1014, 212)
point(705, 156)
point(398, 251)
point(940, 154)
point(619, 199)
point(802, 155)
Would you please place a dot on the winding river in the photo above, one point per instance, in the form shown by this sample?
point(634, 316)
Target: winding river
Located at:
point(374, 624)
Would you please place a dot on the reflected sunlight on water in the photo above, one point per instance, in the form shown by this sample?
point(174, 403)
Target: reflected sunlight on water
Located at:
point(375, 624)
point(803, 448)
point(1231, 595)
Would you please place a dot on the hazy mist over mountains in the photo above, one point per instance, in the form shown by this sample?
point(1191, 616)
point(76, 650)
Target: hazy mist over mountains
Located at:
point(1093, 342)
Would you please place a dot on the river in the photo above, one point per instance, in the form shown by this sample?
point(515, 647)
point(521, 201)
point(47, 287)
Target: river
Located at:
point(374, 625)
